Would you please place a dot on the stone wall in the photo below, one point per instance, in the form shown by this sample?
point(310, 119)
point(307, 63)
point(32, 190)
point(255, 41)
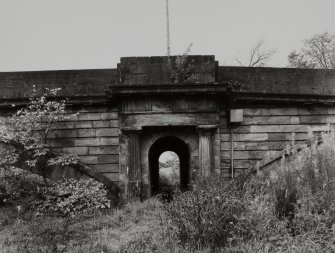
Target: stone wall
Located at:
point(72, 82)
point(94, 136)
point(276, 102)
point(281, 80)
point(265, 131)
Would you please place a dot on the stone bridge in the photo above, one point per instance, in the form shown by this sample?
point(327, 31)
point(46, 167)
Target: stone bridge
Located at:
point(224, 121)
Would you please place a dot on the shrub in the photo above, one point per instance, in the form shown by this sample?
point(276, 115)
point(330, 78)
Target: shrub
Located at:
point(206, 215)
point(70, 197)
point(20, 187)
point(24, 138)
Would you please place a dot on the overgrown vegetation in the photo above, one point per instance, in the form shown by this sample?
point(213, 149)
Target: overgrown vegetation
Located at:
point(181, 68)
point(291, 209)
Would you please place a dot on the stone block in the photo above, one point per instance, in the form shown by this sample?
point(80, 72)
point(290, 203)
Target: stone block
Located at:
point(114, 123)
point(89, 116)
point(238, 130)
point(319, 128)
point(114, 177)
point(105, 150)
point(64, 125)
point(251, 137)
point(100, 123)
point(318, 119)
point(330, 119)
point(65, 133)
point(83, 124)
point(313, 111)
point(105, 168)
point(288, 136)
point(76, 150)
point(270, 111)
point(278, 128)
point(108, 159)
point(238, 164)
point(237, 146)
point(270, 120)
point(107, 132)
point(105, 141)
point(61, 142)
point(109, 115)
point(331, 110)
point(89, 160)
point(87, 142)
point(249, 155)
point(266, 145)
point(90, 132)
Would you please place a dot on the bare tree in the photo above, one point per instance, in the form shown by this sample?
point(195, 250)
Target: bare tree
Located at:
point(317, 52)
point(258, 56)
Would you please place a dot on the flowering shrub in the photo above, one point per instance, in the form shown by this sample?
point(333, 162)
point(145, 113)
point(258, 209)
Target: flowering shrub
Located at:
point(27, 132)
point(70, 197)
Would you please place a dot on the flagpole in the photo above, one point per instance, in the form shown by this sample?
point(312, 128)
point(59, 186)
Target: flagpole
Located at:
point(167, 28)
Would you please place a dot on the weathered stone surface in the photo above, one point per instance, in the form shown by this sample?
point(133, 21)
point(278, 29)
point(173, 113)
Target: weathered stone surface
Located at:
point(106, 168)
point(246, 137)
point(237, 146)
point(61, 142)
point(108, 159)
point(114, 177)
point(312, 119)
point(83, 124)
point(97, 134)
point(104, 150)
point(248, 155)
point(109, 115)
point(100, 123)
point(76, 150)
point(105, 141)
point(89, 116)
point(270, 111)
point(270, 120)
point(288, 136)
point(135, 121)
point(88, 159)
point(114, 123)
point(65, 133)
point(86, 142)
point(107, 132)
point(86, 132)
point(313, 111)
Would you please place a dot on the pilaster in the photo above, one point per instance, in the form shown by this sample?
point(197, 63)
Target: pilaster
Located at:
point(206, 158)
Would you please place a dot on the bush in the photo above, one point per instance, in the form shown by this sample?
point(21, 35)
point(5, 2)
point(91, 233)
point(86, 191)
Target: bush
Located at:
point(70, 197)
point(18, 185)
point(206, 215)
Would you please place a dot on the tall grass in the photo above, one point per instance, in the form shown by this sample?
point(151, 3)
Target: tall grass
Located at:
point(291, 209)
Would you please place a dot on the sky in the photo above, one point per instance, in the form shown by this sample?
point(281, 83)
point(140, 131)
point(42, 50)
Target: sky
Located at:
point(91, 34)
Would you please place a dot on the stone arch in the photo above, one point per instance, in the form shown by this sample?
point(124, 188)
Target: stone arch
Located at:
point(169, 143)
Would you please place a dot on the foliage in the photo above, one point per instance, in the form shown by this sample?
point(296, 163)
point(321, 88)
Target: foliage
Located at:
point(70, 197)
point(181, 69)
point(20, 184)
point(317, 52)
point(207, 215)
point(217, 216)
point(26, 135)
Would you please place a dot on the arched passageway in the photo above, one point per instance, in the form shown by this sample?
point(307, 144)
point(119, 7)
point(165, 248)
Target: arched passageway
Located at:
point(169, 143)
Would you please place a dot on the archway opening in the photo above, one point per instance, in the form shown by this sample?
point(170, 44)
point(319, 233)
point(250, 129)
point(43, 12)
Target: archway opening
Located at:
point(169, 171)
point(180, 149)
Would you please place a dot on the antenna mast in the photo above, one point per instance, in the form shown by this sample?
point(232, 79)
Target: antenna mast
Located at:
point(167, 28)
